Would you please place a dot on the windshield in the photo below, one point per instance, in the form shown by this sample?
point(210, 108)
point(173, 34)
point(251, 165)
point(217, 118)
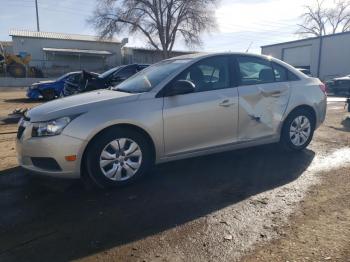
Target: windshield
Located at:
point(150, 77)
point(110, 71)
point(63, 77)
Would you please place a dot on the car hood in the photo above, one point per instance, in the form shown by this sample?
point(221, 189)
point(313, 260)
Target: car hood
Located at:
point(44, 82)
point(78, 104)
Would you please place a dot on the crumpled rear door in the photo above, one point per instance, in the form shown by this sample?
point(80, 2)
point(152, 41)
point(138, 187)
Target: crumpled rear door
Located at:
point(261, 109)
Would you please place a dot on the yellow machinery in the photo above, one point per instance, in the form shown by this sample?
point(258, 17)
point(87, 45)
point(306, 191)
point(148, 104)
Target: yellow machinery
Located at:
point(17, 65)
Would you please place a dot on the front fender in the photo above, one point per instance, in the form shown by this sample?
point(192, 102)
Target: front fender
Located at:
point(149, 119)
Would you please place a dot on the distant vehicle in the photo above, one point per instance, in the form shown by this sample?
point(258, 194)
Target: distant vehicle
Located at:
point(305, 71)
point(340, 86)
point(49, 90)
point(112, 77)
point(17, 65)
point(182, 107)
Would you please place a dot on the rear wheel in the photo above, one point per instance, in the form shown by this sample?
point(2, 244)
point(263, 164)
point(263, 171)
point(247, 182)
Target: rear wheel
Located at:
point(118, 157)
point(298, 130)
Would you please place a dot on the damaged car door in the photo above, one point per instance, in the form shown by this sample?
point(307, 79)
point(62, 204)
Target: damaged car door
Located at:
point(264, 93)
point(207, 117)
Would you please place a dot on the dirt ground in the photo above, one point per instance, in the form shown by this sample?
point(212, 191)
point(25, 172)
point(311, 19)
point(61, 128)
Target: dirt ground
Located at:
point(257, 204)
point(10, 101)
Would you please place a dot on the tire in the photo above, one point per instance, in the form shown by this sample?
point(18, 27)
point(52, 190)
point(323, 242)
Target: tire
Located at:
point(48, 94)
point(291, 131)
point(108, 166)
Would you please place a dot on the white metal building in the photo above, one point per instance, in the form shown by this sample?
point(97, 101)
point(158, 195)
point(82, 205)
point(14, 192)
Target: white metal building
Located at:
point(58, 52)
point(326, 57)
point(145, 55)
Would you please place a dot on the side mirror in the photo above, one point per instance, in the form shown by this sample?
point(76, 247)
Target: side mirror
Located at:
point(181, 87)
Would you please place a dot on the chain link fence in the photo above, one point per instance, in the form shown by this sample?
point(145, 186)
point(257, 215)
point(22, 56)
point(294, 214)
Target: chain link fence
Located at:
point(55, 68)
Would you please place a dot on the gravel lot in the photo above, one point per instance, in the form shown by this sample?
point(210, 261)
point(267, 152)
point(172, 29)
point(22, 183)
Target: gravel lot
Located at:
point(257, 204)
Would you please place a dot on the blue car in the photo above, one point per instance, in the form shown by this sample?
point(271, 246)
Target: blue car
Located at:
point(49, 90)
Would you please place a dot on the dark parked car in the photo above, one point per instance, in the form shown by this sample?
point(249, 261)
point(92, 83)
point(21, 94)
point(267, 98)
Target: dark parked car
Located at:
point(91, 81)
point(340, 86)
point(305, 71)
point(48, 90)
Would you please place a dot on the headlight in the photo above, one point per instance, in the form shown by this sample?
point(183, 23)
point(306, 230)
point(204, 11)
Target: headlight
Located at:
point(50, 128)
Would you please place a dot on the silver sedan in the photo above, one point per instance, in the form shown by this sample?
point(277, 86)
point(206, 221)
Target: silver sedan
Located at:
point(179, 108)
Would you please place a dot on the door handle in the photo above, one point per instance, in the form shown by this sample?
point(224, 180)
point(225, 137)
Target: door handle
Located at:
point(276, 93)
point(226, 103)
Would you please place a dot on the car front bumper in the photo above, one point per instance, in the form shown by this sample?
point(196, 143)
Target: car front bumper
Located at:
point(33, 93)
point(47, 155)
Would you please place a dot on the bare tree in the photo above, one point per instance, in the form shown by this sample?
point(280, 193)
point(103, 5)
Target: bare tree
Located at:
point(318, 20)
point(339, 17)
point(314, 20)
point(160, 21)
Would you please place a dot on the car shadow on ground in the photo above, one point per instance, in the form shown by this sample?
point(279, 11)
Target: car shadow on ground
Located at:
point(345, 125)
point(23, 100)
point(44, 221)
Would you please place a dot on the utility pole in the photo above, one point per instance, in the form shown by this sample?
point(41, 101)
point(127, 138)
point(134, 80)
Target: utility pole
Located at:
point(37, 16)
point(319, 56)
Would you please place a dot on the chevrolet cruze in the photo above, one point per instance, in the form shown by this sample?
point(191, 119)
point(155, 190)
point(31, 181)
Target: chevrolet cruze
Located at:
point(179, 108)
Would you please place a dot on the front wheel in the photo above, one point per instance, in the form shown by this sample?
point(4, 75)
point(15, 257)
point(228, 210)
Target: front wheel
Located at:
point(118, 157)
point(298, 130)
point(48, 94)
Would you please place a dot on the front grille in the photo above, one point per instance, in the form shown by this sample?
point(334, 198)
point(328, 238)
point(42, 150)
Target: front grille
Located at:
point(20, 131)
point(47, 163)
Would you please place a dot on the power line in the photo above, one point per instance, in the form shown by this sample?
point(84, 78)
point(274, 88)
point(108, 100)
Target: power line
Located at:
point(248, 34)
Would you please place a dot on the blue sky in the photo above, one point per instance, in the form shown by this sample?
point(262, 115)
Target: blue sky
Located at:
point(241, 22)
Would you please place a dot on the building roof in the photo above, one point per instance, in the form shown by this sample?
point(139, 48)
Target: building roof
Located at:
point(154, 50)
point(61, 36)
point(76, 51)
point(6, 43)
point(306, 39)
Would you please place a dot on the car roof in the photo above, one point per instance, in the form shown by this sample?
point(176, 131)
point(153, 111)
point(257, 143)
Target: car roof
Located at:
point(342, 78)
point(198, 56)
point(204, 54)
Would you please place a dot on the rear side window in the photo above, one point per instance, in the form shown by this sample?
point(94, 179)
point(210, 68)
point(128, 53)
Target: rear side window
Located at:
point(292, 76)
point(281, 73)
point(255, 71)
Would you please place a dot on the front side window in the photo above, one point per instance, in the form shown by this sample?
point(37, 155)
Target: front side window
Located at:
point(74, 78)
point(255, 71)
point(208, 74)
point(64, 77)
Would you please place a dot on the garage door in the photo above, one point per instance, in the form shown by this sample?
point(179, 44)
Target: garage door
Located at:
point(298, 56)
